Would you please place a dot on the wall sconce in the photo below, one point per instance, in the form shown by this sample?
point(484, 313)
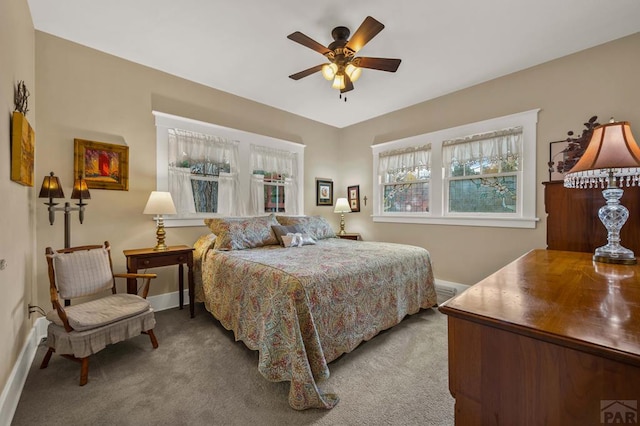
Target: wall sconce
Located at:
point(612, 158)
point(160, 203)
point(342, 207)
point(51, 188)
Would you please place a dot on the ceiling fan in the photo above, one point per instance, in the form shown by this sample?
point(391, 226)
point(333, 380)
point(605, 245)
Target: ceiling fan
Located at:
point(344, 67)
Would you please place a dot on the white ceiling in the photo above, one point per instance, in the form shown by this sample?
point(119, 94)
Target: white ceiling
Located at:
point(241, 46)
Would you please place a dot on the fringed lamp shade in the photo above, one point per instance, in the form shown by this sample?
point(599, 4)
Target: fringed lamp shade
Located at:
point(612, 150)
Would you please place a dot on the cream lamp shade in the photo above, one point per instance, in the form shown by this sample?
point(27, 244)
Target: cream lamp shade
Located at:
point(342, 207)
point(160, 203)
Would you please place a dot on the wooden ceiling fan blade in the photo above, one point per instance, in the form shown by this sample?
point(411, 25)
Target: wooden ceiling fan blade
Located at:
point(307, 41)
point(308, 71)
point(381, 64)
point(365, 32)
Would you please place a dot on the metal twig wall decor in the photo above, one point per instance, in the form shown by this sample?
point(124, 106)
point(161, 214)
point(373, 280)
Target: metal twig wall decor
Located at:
point(21, 98)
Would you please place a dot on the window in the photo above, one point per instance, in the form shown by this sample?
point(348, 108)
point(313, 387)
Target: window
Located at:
point(202, 172)
point(210, 171)
point(405, 179)
point(480, 174)
point(274, 172)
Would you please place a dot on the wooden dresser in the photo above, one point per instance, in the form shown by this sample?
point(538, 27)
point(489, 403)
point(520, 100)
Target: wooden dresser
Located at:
point(573, 223)
point(550, 339)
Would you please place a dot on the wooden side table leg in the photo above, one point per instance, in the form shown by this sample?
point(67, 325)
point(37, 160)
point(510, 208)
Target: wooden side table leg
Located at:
point(181, 284)
point(191, 288)
point(132, 283)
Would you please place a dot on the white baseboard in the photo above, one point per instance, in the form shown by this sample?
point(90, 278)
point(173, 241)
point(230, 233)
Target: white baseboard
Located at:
point(457, 286)
point(13, 388)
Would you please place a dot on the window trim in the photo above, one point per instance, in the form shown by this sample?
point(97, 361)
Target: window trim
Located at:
point(164, 122)
point(437, 215)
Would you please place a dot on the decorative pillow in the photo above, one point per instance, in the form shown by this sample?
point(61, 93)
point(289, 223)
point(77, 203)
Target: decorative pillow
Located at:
point(316, 226)
point(240, 233)
point(281, 230)
point(297, 240)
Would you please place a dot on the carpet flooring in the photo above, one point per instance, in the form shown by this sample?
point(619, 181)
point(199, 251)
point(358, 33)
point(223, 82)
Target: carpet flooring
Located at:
point(200, 376)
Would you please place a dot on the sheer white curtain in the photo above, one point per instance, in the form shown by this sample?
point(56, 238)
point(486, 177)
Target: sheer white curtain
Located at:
point(277, 162)
point(411, 163)
point(203, 155)
point(494, 150)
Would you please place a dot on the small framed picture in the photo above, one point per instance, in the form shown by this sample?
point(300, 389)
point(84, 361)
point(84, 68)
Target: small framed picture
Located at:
point(324, 192)
point(353, 194)
point(102, 165)
point(558, 160)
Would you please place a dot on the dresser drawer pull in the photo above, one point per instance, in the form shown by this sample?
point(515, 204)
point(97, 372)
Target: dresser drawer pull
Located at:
point(145, 262)
point(181, 258)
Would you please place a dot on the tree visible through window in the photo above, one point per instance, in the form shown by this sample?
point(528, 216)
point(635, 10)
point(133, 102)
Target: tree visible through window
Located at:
point(482, 171)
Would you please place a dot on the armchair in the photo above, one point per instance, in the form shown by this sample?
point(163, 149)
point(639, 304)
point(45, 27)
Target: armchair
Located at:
point(80, 330)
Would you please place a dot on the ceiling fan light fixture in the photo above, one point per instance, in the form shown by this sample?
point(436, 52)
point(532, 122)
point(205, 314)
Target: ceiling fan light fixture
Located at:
point(329, 71)
point(338, 82)
point(353, 72)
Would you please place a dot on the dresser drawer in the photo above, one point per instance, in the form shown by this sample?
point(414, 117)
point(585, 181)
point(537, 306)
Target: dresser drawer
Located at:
point(161, 260)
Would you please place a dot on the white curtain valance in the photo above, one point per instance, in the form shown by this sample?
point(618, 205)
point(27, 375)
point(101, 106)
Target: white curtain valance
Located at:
point(411, 163)
point(486, 148)
point(204, 154)
point(270, 160)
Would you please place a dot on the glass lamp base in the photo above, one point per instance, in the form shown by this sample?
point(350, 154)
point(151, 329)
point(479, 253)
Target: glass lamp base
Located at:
point(613, 216)
point(604, 256)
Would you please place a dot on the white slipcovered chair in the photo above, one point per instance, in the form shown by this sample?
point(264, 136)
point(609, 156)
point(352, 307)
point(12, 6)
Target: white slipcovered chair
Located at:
point(102, 318)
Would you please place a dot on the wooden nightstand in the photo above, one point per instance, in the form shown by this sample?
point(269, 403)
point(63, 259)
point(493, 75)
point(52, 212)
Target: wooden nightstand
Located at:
point(349, 236)
point(150, 258)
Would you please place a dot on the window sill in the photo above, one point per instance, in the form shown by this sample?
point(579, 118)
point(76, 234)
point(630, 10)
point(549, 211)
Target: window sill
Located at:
point(460, 221)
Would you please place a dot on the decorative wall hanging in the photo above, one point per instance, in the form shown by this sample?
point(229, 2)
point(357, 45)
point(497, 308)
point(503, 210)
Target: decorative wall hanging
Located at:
point(23, 139)
point(324, 192)
point(563, 155)
point(353, 194)
point(102, 165)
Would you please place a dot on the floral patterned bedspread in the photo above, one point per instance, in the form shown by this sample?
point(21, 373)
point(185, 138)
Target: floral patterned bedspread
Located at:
point(303, 307)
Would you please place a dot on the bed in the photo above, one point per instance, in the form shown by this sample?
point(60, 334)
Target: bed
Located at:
point(303, 306)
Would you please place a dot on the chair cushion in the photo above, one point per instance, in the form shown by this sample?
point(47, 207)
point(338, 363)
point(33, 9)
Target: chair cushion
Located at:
point(82, 273)
point(99, 312)
point(84, 343)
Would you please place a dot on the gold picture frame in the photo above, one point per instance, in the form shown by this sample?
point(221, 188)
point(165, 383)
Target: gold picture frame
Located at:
point(102, 165)
point(23, 140)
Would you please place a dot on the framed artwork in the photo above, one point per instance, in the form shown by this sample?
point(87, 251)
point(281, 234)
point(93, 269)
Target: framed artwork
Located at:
point(353, 195)
point(558, 160)
point(324, 192)
point(102, 165)
point(23, 140)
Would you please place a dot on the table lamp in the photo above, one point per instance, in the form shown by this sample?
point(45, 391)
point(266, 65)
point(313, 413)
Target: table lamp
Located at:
point(342, 207)
point(611, 160)
point(160, 203)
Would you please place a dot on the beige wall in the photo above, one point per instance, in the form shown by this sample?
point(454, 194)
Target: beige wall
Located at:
point(87, 94)
point(17, 227)
point(601, 81)
point(83, 93)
